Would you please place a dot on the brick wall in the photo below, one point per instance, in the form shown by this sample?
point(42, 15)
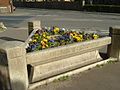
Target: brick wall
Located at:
point(5, 6)
point(4, 3)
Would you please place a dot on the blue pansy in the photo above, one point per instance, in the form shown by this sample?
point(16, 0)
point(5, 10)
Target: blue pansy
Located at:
point(51, 40)
point(33, 47)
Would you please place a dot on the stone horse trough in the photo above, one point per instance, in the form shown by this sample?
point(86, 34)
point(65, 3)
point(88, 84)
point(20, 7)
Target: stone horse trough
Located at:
point(20, 70)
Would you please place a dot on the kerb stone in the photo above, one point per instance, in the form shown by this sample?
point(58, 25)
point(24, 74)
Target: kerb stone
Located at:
point(41, 71)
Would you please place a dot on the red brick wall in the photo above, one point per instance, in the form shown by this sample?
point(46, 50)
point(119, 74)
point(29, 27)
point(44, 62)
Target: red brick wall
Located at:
point(4, 2)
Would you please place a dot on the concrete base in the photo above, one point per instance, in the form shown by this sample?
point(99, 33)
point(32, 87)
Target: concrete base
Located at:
point(39, 72)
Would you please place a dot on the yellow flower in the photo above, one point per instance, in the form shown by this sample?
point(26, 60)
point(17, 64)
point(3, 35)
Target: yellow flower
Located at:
point(56, 30)
point(34, 40)
point(48, 37)
point(43, 43)
point(81, 36)
point(95, 36)
point(78, 39)
point(74, 34)
point(45, 40)
point(43, 46)
point(44, 35)
point(36, 35)
point(46, 45)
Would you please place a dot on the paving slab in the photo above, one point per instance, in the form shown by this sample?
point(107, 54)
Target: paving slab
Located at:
point(98, 78)
point(13, 34)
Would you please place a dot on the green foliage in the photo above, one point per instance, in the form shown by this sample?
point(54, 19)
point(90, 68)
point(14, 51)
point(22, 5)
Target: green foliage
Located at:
point(112, 62)
point(100, 65)
point(63, 78)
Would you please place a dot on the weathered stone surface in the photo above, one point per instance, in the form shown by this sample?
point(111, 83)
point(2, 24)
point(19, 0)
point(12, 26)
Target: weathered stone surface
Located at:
point(67, 50)
point(114, 30)
point(4, 10)
point(2, 27)
point(13, 49)
point(33, 25)
point(46, 63)
point(114, 48)
point(4, 77)
point(18, 73)
point(42, 71)
point(16, 64)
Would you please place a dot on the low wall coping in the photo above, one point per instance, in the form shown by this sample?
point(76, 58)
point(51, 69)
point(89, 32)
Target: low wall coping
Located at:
point(67, 50)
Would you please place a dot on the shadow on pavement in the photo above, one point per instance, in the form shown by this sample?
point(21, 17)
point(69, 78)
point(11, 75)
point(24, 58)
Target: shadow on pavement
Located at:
point(104, 56)
point(10, 39)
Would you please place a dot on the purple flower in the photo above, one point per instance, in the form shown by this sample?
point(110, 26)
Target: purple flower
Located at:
point(51, 40)
point(33, 47)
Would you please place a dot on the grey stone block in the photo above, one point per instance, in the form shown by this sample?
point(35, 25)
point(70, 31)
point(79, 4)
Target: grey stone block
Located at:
point(16, 64)
point(67, 50)
point(42, 71)
point(33, 25)
point(114, 30)
point(13, 49)
point(114, 47)
point(45, 63)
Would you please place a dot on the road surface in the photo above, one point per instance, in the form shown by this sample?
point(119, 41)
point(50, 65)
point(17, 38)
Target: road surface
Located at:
point(87, 21)
point(99, 78)
point(62, 18)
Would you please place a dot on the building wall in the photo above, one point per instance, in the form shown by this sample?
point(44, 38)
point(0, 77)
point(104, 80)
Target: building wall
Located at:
point(5, 6)
point(4, 2)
